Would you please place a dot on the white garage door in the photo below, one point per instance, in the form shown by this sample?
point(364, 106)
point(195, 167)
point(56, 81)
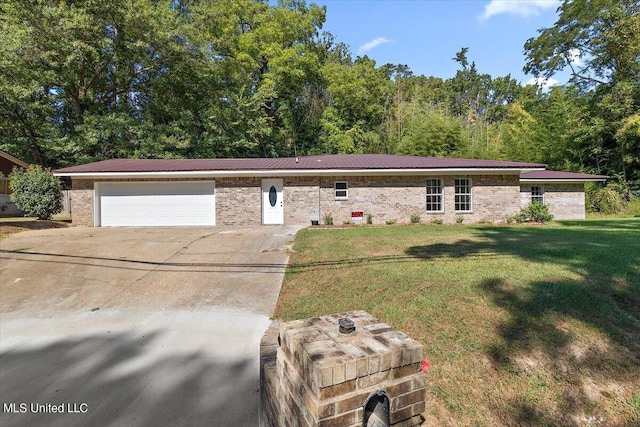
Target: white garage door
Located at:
point(166, 203)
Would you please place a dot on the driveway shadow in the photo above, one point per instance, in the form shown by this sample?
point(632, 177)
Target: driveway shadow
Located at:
point(123, 384)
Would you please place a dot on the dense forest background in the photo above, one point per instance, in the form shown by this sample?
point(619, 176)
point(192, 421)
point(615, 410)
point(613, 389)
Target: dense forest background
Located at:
point(97, 79)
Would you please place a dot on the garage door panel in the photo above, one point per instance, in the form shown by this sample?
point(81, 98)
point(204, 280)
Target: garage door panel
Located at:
point(157, 204)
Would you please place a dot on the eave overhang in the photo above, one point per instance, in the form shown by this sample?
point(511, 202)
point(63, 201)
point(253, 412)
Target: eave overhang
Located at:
point(560, 181)
point(289, 173)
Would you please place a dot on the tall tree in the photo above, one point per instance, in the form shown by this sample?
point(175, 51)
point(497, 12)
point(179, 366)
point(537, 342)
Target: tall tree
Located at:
point(70, 67)
point(357, 94)
point(429, 131)
point(599, 40)
point(468, 89)
point(560, 115)
point(84, 81)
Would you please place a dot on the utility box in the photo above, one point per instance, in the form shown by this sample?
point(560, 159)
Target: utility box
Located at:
point(346, 369)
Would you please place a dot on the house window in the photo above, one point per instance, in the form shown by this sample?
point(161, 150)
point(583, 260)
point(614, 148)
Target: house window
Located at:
point(463, 194)
point(341, 189)
point(537, 194)
point(434, 195)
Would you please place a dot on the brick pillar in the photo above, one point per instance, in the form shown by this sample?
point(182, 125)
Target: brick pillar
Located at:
point(320, 377)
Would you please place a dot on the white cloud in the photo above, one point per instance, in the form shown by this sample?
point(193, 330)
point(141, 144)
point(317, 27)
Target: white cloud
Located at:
point(522, 8)
point(542, 82)
point(373, 43)
point(575, 59)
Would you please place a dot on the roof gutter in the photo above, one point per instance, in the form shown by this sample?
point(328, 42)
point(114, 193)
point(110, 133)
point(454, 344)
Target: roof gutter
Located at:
point(561, 181)
point(289, 172)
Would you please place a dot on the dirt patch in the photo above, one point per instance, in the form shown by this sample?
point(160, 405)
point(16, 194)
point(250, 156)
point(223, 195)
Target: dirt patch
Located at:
point(12, 227)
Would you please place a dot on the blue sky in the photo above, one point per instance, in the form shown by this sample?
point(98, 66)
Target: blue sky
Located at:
point(426, 34)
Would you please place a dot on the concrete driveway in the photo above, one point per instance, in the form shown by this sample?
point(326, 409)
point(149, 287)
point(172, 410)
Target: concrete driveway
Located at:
point(136, 326)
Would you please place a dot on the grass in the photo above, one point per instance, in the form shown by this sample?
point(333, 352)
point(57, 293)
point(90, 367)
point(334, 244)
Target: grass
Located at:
point(12, 225)
point(523, 325)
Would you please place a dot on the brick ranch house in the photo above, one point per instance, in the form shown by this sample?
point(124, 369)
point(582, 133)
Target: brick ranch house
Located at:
point(297, 191)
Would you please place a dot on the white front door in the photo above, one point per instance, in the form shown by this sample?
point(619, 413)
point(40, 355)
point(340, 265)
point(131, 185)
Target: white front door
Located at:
point(272, 206)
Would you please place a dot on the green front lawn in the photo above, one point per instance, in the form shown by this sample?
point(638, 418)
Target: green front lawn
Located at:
point(523, 325)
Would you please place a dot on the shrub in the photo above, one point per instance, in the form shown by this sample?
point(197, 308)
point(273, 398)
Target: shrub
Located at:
point(459, 219)
point(369, 219)
point(390, 221)
point(534, 212)
point(415, 218)
point(538, 212)
point(437, 221)
point(606, 200)
point(327, 219)
point(519, 218)
point(633, 208)
point(36, 191)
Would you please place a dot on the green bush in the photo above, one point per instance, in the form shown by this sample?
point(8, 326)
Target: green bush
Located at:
point(437, 221)
point(415, 218)
point(327, 219)
point(633, 208)
point(369, 219)
point(534, 212)
point(459, 219)
point(36, 191)
point(519, 218)
point(390, 221)
point(607, 200)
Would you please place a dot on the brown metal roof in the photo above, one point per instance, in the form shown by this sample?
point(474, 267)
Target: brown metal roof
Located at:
point(328, 162)
point(560, 176)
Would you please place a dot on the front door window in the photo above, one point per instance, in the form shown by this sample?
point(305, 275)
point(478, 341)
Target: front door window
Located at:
point(273, 196)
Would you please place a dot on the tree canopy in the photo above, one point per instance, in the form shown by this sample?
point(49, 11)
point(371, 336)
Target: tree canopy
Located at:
point(98, 79)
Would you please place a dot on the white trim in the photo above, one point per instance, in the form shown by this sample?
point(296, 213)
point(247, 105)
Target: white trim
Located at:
point(346, 190)
point(537, 196)
point(96, 204)
point(289, 172)
point(441, 194)
point(560, 181)
point(470, 194)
